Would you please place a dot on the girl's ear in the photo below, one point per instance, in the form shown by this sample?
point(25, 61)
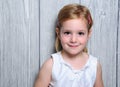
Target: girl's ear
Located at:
point(58, 32)
point(90, 33)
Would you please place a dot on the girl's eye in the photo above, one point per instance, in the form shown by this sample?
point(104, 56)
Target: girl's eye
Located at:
point(67, 33)
point(81, 33)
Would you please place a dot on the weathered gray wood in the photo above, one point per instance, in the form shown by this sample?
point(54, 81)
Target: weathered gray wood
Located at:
point(118, 53)
point(19, 42)
point(103, 41)
point(48, 15)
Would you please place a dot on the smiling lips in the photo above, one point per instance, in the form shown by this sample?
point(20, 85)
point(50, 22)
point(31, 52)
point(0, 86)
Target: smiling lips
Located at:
point(73, 46)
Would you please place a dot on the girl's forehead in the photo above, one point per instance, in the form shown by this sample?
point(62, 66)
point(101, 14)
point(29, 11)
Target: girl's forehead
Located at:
point(75, 23)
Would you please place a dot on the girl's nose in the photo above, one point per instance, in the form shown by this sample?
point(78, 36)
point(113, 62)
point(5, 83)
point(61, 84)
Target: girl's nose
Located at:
point(73, 38)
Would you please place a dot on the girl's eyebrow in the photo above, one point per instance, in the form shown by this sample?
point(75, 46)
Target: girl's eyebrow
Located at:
point(66, 29)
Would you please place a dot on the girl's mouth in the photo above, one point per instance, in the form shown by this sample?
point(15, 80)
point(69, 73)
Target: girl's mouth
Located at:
point(73, 46)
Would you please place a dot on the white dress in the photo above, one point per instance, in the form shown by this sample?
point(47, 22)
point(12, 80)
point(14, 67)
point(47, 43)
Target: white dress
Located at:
point(63, 74)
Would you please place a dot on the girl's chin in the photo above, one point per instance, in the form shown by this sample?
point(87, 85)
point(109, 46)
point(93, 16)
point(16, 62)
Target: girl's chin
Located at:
point(73, 53)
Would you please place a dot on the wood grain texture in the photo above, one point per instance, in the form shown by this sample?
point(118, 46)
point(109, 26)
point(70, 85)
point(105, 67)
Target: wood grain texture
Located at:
point(104, 39)
point(118, 48)
point(103, 42)
point(27, 35)
point(19, 42)
point(48, 16)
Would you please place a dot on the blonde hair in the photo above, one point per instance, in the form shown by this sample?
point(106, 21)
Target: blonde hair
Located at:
point(72, 11)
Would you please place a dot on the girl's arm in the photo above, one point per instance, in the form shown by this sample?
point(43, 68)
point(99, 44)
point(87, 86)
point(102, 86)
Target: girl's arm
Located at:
point(44, 76)
point(99, 81)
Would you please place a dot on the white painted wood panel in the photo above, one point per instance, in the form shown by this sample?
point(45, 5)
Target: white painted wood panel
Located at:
point(27, 38)
point(104, 39)
point(118, 49)
point(48, 15)
point(19, 42)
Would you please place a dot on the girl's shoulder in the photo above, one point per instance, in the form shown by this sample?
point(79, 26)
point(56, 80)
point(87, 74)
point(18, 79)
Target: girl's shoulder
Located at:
point(93, 59)
point(48, 63)
point(44, 75)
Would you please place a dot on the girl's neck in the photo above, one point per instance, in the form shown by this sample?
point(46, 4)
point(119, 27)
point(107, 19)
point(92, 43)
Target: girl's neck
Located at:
point(70, 56)
point(76, 61)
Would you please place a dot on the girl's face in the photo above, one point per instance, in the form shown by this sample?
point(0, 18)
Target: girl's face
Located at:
point(74, 35)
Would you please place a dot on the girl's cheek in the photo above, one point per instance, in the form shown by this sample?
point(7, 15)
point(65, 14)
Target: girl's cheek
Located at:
point(64, 39)
point(84, 41)
point(64, 36)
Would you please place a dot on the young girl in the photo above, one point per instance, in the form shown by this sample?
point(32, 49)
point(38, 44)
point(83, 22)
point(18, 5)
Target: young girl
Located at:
point(71, 66)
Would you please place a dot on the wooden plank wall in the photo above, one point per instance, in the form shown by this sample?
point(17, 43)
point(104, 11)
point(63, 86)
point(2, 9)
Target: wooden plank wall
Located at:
point(118, 46)
point(48, 15)
point(104, 41)
point(19, 42)
point(27, 38)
